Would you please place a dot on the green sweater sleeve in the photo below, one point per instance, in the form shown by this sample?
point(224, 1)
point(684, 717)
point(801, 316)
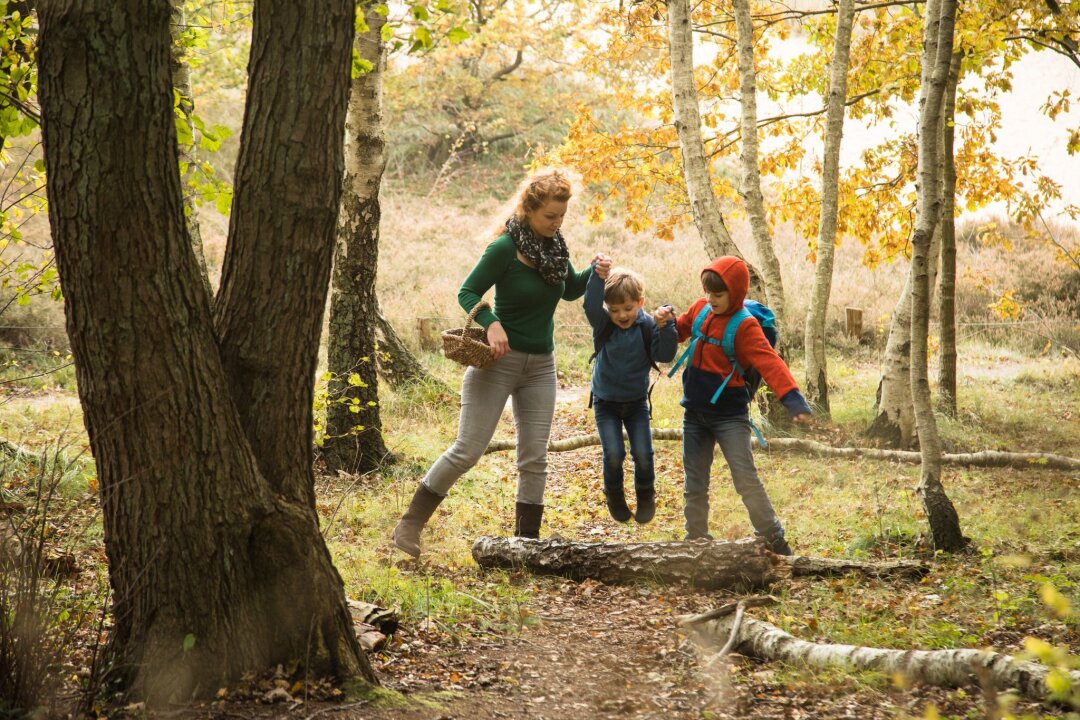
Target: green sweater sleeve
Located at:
point(488, 270)
point(575, 281)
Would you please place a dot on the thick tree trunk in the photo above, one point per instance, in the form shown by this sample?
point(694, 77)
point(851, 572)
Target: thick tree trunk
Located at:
point(894, 424)
point(281, 230)
point(705, 207)
point(735, 565)
point(188, 159)
point(216, 569)
point(816, 385)
point(937, 56)
point(354, 440)
point(943, 668)
point(983, 458)
point(399, 366)
point(947, 297)
point(750, 187)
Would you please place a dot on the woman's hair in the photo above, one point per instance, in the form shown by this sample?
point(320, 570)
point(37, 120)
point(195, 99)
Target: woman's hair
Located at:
point(623, 286)
point(531, 194)
point(539, 188)
point(712, 281)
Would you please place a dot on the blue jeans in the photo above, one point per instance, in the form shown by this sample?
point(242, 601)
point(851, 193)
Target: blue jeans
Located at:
point(611, 417)
point(701, 433)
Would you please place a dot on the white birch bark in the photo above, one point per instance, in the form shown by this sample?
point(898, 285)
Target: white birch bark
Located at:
point(750, 187)
point(937, 58)
point(947, 296)
point(816, 385)
point(704, 205)
point(943, 668)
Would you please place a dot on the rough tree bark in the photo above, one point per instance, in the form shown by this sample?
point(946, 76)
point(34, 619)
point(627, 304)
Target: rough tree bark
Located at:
point(750, 186)
point(202, 440)
point(946, 402)
point(354, 441)
point(983, 458)
point(182, 82)
point(816, 386)
point(944, 668)
point(937, 57)
point(734, 565)
point(705, 207)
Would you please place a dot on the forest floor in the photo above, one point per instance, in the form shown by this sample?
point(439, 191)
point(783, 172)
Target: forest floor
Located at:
point(475, 644)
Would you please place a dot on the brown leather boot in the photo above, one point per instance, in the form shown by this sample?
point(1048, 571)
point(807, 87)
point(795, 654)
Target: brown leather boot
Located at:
point(527, 518)
point(407, 531)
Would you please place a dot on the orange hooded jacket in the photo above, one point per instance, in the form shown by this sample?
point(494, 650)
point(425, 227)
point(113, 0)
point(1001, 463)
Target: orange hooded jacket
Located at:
point(709, 365)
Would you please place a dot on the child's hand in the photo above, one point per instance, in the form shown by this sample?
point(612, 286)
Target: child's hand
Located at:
point(663, 315)
point(803, 418)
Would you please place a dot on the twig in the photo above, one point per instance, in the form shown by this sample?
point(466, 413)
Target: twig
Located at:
point(337, 707)
point(756, 601)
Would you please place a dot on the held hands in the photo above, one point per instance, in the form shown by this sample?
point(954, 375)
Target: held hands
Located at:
point(663, 315)
point(500, 344)
point(601, 265)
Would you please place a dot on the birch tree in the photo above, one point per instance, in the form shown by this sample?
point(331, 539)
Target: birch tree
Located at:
point(817, 378)
point(937, 59)
point(750, 187)
point(947, 296)
point(354, 440)
point(705, 207)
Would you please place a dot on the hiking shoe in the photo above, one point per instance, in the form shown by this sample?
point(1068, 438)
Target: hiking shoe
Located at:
point(646, 507)
point(778, 545)
point(616, 504)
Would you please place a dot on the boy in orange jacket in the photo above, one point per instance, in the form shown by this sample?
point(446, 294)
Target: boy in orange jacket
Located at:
point(716, 400)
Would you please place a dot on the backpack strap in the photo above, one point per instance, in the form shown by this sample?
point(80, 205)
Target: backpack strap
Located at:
point(695, 335)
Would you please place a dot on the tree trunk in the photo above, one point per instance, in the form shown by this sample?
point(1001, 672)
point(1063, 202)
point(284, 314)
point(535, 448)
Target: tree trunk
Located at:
point(816, 386)
point(188, 159)
point(282, 226)
point(944, 668)
point(735, 565)
point(216, 567)
point(946, 403)
point(705, 207)
point(354, 441)
point(937, 56)
point(399, 366)
point(750, 187)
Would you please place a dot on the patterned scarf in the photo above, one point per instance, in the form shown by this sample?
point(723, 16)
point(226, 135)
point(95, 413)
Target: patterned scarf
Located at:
point(549, 255)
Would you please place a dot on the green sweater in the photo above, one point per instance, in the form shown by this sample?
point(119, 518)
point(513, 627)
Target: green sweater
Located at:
point(524, 303)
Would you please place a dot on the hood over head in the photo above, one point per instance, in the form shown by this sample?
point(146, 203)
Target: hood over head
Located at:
point(735, 275)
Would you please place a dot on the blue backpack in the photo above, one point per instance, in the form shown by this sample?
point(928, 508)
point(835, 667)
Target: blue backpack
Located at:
point(750, 309)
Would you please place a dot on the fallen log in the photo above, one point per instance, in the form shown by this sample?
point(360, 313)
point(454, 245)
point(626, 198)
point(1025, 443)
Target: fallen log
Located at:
point(736, 565)
point(733, 565)
point(944, 668)
point(983, 458)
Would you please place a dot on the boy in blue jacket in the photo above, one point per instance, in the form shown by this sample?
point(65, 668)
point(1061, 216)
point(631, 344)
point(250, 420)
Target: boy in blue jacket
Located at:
point(628, 342)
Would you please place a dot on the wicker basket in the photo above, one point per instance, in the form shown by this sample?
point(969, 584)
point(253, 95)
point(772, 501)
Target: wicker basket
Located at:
point(468, 345)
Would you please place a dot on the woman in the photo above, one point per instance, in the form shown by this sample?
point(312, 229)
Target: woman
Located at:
point(530, 268)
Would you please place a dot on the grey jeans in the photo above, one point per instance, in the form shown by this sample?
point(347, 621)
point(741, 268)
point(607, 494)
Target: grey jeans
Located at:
point(530, 380)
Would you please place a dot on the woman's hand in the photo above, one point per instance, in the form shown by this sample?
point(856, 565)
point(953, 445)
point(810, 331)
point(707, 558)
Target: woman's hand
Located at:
point(601, 265)
point(500, 344)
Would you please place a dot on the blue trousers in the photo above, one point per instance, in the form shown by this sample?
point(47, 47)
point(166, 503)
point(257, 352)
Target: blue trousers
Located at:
point(701, 433)
point(611, 418)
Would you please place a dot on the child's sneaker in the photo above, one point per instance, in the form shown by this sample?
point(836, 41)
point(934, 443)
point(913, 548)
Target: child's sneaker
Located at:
point(646, 506)
point(616, 504)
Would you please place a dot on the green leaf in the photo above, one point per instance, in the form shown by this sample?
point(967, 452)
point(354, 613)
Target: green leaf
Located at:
point(355, 381)
point(458, 34)
point(387, 32)
point(223, 202)
point(189, 642)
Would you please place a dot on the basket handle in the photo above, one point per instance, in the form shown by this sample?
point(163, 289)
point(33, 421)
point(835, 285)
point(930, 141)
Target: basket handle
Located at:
point(476, 308)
